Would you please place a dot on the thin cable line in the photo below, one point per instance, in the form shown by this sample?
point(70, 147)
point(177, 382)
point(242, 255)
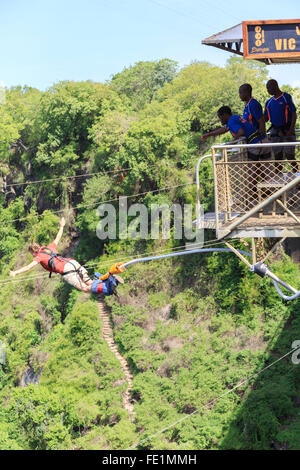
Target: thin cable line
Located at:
point(102, 173)
point(212, 401)
point(215, 6)
point(181, 13)
point(95, 203)
point(62, 178)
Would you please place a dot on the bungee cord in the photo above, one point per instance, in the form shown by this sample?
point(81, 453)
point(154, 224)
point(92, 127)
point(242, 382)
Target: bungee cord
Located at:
point(258, 268)
point(286, 297)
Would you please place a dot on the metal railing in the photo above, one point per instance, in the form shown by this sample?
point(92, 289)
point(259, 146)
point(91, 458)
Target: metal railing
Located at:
point(242, 185)
point(201, 159)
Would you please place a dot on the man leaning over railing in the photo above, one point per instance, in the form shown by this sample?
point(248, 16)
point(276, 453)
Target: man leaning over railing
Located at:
point(239, 127)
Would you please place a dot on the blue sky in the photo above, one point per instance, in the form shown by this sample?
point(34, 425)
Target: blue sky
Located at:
point(43, 41)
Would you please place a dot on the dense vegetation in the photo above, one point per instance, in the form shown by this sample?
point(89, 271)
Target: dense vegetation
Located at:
point(190, 328)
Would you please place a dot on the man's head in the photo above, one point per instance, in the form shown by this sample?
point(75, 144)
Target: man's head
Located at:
point(272, 87)
point(224, 114)
point(34, 248)
point(245, 92)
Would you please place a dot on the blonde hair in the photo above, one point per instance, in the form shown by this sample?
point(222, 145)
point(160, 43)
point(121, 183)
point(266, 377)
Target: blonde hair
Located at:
point(34, 248)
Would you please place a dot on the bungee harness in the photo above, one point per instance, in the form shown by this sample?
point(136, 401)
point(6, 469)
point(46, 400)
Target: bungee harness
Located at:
point(253, 136)
point(51, 262)
point(106, 283)
point(279, 131)
point(106, 287)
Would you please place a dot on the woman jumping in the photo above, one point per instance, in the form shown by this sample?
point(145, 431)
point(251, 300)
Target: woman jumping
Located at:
point(71, 271)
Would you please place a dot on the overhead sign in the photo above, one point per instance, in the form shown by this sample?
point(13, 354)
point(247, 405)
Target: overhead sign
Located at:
point(271, 39)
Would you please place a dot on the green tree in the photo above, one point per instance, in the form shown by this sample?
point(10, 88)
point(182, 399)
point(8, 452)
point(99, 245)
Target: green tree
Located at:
point(140, 82)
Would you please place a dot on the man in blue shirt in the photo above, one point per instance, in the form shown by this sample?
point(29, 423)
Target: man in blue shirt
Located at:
point(281, 112)
point(253, 111)
point(239, 127)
